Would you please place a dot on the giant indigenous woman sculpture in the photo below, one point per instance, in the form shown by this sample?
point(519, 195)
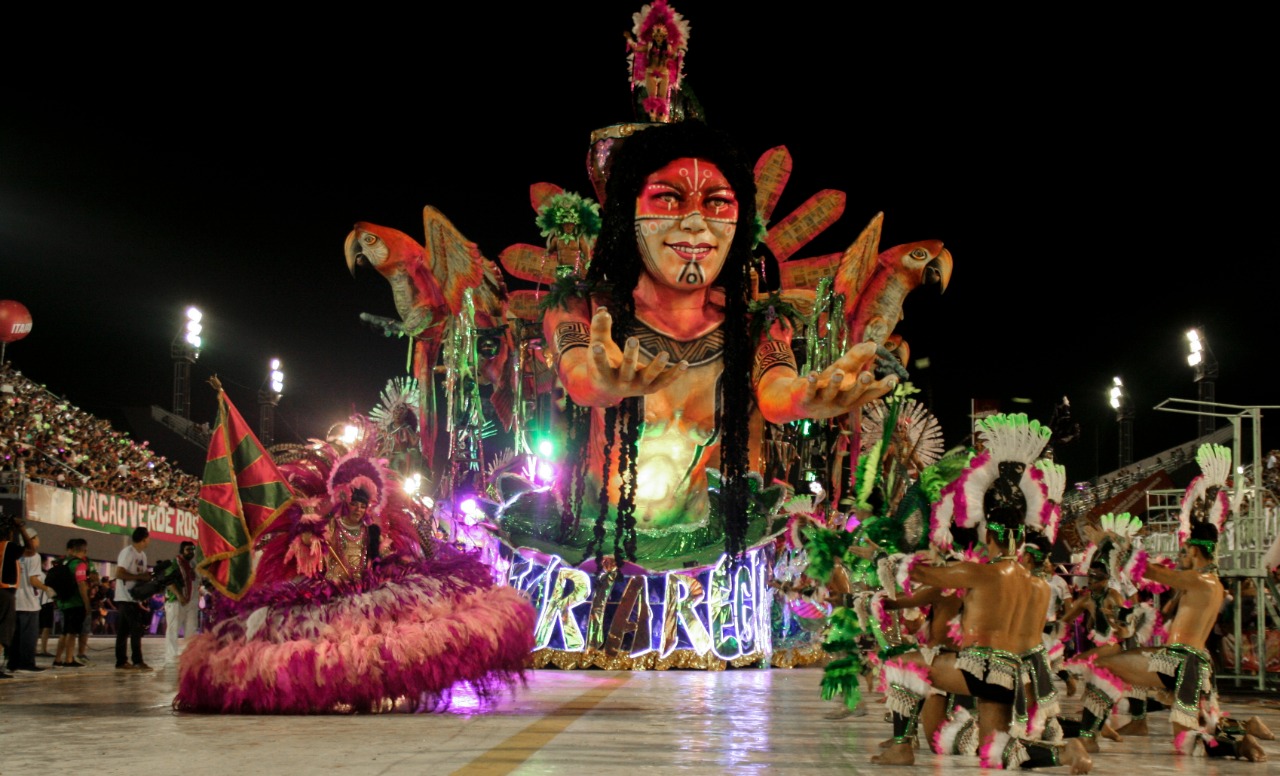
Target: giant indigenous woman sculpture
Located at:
point(671, 376)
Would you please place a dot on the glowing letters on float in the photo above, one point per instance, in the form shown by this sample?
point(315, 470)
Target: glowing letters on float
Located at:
point(720, 609)
point(566, 589)
point(683, 594)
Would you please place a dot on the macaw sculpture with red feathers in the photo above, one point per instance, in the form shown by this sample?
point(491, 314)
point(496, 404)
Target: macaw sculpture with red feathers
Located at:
point(869, 285)
point(430, 286)
point(874, 283)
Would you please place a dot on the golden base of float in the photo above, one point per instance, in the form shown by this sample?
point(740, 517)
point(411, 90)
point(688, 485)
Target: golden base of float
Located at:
point(680, 659)
point(798, 657)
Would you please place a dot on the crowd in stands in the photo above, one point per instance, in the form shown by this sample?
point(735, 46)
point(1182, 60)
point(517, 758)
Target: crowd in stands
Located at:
point(51, 441)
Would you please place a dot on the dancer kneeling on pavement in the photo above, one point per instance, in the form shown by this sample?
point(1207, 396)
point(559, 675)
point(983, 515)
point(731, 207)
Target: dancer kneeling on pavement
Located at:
point(992, 494)
point(1182, 666)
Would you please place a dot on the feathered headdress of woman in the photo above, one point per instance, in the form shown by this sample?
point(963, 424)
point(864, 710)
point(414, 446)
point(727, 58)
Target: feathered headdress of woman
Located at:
point(353, 472)
point(1206, 499)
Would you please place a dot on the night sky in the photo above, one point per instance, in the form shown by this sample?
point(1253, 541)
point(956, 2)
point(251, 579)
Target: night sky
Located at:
point(1101, 189)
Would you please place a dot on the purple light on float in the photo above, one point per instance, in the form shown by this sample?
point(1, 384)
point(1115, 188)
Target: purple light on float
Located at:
point(546, 472)
point(470, 511)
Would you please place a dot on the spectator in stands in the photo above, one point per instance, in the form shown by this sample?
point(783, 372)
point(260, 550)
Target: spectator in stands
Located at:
point(59, 444)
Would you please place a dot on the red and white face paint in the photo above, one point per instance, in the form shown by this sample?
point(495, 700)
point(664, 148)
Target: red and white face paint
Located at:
point(686, 216)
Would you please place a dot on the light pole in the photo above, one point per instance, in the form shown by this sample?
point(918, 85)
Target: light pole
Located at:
point(1200, 357)
point(268, 398)
point(185, 349)
point(1123, 406)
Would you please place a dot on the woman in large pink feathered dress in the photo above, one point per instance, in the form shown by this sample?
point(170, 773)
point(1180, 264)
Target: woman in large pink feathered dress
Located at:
point(354, 609)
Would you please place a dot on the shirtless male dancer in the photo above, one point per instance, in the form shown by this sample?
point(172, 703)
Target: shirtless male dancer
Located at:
point(1182, 666)
point(988, 666)
point(943, 605)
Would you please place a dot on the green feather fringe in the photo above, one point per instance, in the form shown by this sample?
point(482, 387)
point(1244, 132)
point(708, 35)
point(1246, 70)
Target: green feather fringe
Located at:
point(840, 677)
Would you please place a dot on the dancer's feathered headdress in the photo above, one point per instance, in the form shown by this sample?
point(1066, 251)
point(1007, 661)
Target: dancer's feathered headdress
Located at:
point(1006, 439)
point(1054, 477)
point(1206, 499)
point(1124, 555)
point(354, 471)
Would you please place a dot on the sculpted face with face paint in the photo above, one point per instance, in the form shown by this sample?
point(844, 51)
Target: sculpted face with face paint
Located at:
point(686, 216)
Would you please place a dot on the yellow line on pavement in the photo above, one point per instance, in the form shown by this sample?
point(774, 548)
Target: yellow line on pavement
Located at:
point(506, 756)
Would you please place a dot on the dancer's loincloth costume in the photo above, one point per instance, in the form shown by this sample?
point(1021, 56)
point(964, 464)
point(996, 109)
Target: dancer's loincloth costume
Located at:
point(993, 675)
point(1003, 677)
point(1188, 673)
point(1042, 696)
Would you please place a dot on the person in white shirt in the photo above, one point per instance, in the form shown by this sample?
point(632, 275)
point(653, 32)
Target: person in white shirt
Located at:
point(22, 655)
point(131, 568)
point(181, 609)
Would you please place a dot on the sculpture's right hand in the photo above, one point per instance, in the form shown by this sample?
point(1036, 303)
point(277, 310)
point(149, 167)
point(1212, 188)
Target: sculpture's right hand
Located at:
point(616, 373)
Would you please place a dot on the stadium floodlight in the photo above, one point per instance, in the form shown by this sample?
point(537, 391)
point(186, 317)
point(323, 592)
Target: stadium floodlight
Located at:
point(184, 350)
point(1201, 359)
point(1123, 405)
point(268, 397)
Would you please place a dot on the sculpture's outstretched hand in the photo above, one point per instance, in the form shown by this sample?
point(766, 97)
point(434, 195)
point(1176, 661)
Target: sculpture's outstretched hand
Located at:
point(844, 386)
point(616, 374)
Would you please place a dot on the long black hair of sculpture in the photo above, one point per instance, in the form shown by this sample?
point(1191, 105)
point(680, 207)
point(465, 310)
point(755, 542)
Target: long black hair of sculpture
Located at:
point(616, 260)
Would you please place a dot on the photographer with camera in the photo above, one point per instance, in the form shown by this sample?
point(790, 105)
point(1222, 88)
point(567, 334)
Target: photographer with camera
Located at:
point(181, 609)
point(131, 569)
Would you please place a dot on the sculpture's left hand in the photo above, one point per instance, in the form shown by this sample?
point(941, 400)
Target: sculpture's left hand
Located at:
point(844, 386)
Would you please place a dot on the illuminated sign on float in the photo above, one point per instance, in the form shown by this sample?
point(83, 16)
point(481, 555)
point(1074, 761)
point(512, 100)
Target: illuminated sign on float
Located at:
point(712, 609)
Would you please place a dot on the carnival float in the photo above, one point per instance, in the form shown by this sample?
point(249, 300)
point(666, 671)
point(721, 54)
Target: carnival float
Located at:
point(655, 395)
point(714, 449)
point(645, 546)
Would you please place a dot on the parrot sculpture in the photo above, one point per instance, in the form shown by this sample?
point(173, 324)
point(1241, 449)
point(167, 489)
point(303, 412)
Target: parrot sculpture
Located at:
point(429, 284)
point(874, 283)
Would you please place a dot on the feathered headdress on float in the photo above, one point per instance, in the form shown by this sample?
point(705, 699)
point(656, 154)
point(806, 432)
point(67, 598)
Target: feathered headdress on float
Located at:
point(567, 207)
point(1011, 444)
point(1206, 499)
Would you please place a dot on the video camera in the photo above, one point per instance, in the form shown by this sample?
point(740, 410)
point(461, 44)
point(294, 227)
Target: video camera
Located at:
point(165, 573)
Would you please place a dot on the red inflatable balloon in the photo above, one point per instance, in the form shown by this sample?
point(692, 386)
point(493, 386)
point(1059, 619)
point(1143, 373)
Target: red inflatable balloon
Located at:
point(15, 321)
